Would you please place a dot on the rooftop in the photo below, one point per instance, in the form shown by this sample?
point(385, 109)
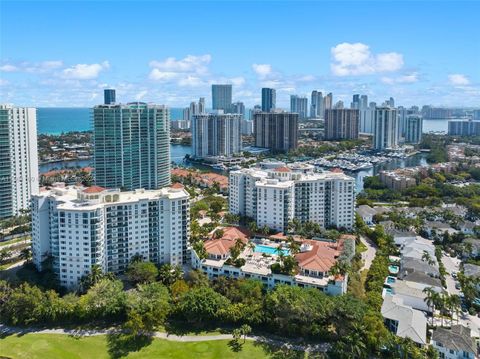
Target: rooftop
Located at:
point(457, 338)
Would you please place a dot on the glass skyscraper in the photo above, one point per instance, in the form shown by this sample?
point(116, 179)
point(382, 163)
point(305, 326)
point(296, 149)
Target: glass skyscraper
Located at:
point(131, 146)
point(222, 97)
point(269, 99)
point(109, 96)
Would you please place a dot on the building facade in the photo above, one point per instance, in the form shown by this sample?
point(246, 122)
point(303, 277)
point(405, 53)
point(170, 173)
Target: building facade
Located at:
point(385, 129)
point(341, 124)
point(273, 197)
point(109, 96)
point(216, 134)
point(277, 131)
point(239, 108)
point(131, 146)
point(81, 227)
point(269, 99)
point(463, 128)
point(316, 108)
point(413, 129)
point(222, 97)
point(299, 105)
point(18, 159)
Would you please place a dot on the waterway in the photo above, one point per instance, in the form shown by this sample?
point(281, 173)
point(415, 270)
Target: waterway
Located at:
point(178, 152)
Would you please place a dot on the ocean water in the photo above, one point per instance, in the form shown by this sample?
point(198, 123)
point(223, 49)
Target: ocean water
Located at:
point(55, 120)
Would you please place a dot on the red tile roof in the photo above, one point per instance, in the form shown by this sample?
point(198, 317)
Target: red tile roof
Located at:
point(321, 257)
point(177, 185)
point(94, 189)
point(221, 246)
point(282, 169)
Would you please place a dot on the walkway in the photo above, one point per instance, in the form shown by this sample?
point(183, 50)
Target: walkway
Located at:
point(369, 254)
point(322, 347)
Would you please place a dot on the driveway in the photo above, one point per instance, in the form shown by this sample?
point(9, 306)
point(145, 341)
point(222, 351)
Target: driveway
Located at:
point(451, 265)
point(369, 254)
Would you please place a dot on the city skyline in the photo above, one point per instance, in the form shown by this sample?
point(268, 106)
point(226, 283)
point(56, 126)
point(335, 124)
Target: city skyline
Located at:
point(42, 66)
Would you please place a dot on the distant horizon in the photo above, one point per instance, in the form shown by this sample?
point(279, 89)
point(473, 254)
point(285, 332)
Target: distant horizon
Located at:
point(63, 54)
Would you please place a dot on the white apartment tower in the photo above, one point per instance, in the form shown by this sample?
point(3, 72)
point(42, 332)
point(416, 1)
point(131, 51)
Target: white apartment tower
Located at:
point(81, 227)
point(385, 128)
point(274, 197)
point(18, 158)
point(216, 134)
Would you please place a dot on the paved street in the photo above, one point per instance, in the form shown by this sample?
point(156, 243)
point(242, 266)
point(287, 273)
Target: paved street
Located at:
point(451, 265)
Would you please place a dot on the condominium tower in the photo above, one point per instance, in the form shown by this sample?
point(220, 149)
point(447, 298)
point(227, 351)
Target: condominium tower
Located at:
point(277, 131)
point(131, 146)
point(316, 107)
point(385, 128)
point(274, 197)
point(109, 96)
point(341, 124)
point(269, 99)
point(18, 159)
point(216, 134)
point(299, 105)
point(413, 129)
point(81, 227)
point(222, 97)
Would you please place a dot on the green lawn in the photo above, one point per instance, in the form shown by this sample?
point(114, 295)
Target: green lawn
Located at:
point(53, 346)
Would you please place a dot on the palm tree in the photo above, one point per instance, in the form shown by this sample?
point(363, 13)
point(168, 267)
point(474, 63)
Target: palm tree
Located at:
point(293, 245)
point(26, 254)
point(430, 299)
point(440, 303)
point(265, 230)
point(455, 303)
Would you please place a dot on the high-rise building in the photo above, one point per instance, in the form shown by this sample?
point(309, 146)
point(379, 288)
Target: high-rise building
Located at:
point(216, 134)
point(82, 227)
point(355, 102)
point(367, 113)
point(389, 103)
point(277, 131)
point(464, 128)
point(299, 105)
point(254, 110)
point(385, 128)
point(109, 96)
point(238, 107)
point(341, 124)
point(316, 107)
point(131, 146)
point(247, 127)
point(201, 105)
point(18, 159)
point(328, 102)
point(339, 105)
point(363, 102)
point(222, 97)
point(276, 196)
point(269, 99)
point(402, 114)
point(413, 129)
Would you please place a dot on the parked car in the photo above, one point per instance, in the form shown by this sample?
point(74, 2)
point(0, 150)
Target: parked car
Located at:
point(454, 274)
point(457, 285)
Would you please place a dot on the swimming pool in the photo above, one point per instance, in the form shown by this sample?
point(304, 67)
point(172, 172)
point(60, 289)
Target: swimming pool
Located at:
point(393, 269)
point(391, 280)
point(269, 250)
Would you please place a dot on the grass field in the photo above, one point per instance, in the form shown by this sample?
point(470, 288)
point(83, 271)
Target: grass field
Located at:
point(58, 346)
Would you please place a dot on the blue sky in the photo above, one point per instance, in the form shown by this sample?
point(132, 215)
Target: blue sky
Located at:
point(64, 53)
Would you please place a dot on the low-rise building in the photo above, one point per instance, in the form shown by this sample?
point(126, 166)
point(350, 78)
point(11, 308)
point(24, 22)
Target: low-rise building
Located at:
point(404, 321)
point(315, 260)
point(454, 343)
point(367, 213)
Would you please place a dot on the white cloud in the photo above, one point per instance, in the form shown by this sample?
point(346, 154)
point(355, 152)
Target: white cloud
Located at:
point(405, 79)
point(458, 80)
point(85, 71)
point(140, 95)
point(191, 81)
point(51, 64)
point(357, 59)
point(9, 68)
point(171, 68)
point(262, 70)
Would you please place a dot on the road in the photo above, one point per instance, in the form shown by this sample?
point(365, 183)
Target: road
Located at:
point(451, 265)
point(369, 254)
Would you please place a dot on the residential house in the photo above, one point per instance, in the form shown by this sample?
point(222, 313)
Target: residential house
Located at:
point(367, 213)
point(454, 343)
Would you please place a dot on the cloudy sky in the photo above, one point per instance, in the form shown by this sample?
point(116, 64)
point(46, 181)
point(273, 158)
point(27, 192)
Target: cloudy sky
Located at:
point(64, 53)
